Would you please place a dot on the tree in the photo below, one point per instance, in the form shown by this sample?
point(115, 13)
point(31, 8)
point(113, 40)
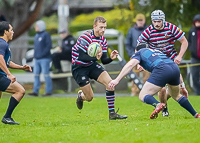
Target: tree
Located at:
point(22, 14)
point(180, 12)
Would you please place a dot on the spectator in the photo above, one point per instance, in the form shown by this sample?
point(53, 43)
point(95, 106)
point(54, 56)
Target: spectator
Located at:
point(42, 55)
point(64, 51)
point(131, 43)
point(194, 46)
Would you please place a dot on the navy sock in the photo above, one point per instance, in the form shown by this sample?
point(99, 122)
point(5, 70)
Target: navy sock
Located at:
point(110, 97)
point(186, 104)
point(148, 99)
point(12, 104)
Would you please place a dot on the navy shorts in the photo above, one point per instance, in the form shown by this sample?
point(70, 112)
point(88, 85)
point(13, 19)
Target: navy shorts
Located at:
point(82, 74)
point(165, 74)
point(4, 82)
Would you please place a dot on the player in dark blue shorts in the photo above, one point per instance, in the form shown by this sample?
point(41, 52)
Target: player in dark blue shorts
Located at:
point(8, 81)
point(85, 67)
point(163, 71)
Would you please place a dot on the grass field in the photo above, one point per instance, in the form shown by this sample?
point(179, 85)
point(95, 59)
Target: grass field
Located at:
point(57, 120)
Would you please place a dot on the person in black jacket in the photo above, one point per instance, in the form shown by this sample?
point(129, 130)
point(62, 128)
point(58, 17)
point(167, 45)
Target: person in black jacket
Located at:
point(194, 47)
point(64, 51)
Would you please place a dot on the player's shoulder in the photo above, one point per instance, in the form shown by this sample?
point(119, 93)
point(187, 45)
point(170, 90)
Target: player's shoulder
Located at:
point(170, 25)
point(3, 42)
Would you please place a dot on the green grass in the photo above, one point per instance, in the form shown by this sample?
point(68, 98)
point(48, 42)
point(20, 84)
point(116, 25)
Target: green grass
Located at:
point(57, 120)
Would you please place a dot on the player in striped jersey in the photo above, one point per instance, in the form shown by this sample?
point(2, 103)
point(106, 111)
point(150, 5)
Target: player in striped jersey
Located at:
point(161, 35)
point(85, 67)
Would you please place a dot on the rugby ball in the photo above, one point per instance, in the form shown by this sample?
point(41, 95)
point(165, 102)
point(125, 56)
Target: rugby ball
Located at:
point(93, 49)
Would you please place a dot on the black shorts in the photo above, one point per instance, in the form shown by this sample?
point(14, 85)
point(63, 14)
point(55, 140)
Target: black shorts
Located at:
point(4, 82)
point(82, 74)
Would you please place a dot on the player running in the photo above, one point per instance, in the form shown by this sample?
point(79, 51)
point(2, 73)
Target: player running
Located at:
point(163, 71)
point(85, 67)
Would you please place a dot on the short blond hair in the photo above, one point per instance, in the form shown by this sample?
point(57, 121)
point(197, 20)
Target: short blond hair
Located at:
point(99, 19)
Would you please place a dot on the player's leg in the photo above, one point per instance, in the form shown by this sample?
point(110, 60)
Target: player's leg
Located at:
point(146, 96)
point(183, 90)
point(86, 93)
point(147, 92)
point(104, 78)
point(163, 97)
point(17, 92)
point(81, 76)
point(174, 91)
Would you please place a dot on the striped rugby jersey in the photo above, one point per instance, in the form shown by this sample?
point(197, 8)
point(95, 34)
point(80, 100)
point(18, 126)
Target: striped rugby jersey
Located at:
point(82, 44)
point(162, 40)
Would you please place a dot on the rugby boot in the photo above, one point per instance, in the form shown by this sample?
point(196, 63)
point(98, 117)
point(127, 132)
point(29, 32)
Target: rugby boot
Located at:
point(9, 121)
point(197, 116)
point(113, 116)
point(159, 107)
point(79, 100)
point(165, 113)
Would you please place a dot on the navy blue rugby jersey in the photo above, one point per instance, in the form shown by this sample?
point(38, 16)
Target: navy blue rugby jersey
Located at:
point(5, 51)
point(151, 58)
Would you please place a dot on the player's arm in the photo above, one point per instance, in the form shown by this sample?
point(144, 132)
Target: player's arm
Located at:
point(184, 45)
point(3, 65)
point(85, 57)
point(105, 59)
point(125, 70)
point(4, 68)
point(16, 66)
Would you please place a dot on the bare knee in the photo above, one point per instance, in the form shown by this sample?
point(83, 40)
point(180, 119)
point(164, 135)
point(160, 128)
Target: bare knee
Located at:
point(21, 92)
point(89, 99)
point(141, 97)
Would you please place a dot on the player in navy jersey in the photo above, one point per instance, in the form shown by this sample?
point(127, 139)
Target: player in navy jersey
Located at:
point(7, 80)
point(161, 35)
point(163, 71)
point(85, 67)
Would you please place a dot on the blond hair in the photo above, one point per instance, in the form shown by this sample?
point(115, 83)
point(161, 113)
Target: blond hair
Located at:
point(99, 19)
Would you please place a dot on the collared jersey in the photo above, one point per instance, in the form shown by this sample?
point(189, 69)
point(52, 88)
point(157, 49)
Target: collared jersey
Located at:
point(151, 58)
point(162, 40)
point(82, 44)
point(5, 51)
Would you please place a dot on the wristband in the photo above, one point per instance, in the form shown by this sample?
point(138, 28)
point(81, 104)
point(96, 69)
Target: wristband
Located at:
point(182, 85)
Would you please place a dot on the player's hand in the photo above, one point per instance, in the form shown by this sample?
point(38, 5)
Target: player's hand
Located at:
point(140, 68)
point(178, 60)
point(184, 92)
point(112, 84)
point(12, 78)
point(27, 68)
point(114, 54)
point(99, 54)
